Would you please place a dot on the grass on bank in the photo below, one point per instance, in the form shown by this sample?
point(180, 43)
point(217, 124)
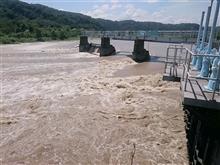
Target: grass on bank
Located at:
point(43, 34)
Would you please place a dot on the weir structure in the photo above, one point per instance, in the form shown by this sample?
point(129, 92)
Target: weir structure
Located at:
point(139, 54)
point(200, 92)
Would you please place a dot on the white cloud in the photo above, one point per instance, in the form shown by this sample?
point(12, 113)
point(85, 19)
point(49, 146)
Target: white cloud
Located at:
point(175, 12)
point(99, 11)
point(152, 1)
point(106, 10)
point(131, 12)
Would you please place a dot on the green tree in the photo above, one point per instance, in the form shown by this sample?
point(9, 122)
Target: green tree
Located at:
point(38, 35)
point(62, 35)
point(53, 35)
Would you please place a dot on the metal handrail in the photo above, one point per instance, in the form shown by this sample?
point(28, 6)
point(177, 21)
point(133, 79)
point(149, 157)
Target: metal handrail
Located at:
point(188, 65)
point(174, 62)
point(186, 62)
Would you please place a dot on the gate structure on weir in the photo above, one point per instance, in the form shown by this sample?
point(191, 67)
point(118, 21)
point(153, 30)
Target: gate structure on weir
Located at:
point(154, 36)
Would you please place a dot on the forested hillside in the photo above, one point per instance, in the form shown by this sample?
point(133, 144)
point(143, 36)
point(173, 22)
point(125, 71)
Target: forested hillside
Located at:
point(20, 22)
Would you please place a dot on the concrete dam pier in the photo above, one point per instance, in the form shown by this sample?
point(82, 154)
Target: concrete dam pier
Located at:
point(84, 45)
point(140, 54)
point(106, 48)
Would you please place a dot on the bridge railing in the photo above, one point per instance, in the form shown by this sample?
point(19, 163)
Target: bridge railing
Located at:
point(116, 34)
point(160, 36)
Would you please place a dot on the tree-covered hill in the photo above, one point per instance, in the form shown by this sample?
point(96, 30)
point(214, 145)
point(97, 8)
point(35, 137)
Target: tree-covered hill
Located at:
point(134, 25)
point(14, 10)
point(20, 21)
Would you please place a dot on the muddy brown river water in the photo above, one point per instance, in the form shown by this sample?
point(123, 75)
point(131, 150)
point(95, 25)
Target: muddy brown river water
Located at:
point(59, 106)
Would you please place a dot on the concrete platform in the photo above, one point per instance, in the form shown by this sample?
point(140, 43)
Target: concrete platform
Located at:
point(194, 97)
point(168, 77)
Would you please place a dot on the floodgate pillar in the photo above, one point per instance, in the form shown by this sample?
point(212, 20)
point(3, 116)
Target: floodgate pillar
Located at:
point(106, 48)
point(139, 53)
point(84, 45)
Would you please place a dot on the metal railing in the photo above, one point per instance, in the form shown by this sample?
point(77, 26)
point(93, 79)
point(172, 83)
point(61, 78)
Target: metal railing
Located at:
point(173, 59)
point(188, 77)
point(159, 36)
point(185, 58)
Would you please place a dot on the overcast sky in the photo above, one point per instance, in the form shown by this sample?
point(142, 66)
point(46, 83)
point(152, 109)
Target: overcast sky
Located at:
point(165, 11)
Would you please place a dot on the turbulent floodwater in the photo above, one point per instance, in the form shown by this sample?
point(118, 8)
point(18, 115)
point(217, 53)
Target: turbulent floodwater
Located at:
point(64, 107)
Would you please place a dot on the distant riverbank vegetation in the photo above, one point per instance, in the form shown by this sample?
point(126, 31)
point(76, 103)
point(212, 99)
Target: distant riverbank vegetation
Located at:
point(23, 32)
point(23, 22)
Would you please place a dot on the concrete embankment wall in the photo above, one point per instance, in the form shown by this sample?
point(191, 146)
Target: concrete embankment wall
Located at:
point(203, 135)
